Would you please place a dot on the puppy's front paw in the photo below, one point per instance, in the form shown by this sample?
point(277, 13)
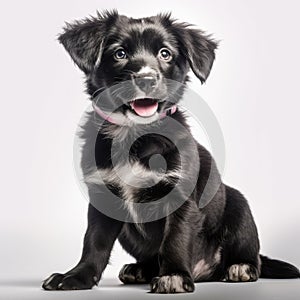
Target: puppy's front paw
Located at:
point(175, 283)
point(241, 273)
point(68, 282)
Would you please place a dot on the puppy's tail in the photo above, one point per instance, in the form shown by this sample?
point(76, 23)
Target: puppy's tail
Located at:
point(277, 269)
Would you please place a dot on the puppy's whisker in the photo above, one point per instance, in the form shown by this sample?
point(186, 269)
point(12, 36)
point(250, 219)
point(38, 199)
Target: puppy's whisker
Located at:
point(128, 72)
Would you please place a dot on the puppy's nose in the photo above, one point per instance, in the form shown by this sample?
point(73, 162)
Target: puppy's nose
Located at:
point(145, 83)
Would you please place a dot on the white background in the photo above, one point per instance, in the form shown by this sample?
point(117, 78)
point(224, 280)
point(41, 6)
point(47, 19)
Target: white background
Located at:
point(253, 90)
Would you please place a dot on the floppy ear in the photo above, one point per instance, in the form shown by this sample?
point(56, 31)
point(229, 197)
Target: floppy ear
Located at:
point(84, 40)
point(197, 47)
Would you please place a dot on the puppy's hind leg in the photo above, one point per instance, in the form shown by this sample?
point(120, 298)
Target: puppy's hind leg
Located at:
point(240, 257)
point(241, 273)
point(140, 272)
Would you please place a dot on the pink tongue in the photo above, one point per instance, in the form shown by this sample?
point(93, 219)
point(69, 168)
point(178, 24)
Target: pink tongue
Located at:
point(145, 107)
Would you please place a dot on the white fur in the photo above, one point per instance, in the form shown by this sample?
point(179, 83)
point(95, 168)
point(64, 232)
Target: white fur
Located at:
point(127, 124)
point(129, 177)
point(173, 283)
point(133, 174)
point(99, 55)
point(239, 272)
point(145, 70)
point(201, 269)
point(217, 255)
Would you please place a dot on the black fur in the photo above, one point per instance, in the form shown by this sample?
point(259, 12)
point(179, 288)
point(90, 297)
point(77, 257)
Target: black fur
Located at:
point(214, 243)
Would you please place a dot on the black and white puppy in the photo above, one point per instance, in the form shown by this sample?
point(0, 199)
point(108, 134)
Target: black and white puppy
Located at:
point(217, 242)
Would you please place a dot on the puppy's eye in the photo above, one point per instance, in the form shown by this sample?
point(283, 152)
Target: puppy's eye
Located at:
point(120, 54)
point(165, 54)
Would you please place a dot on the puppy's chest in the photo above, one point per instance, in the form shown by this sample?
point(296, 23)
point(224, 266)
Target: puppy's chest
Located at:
point(143, 172)
point(137, 182)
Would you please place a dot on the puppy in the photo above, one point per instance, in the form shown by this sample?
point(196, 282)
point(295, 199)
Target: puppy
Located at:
point(181, 242)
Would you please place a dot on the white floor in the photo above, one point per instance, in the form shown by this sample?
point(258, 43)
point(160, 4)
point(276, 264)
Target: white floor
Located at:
point(113, 289)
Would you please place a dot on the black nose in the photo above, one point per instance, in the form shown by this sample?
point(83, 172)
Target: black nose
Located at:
point(146, 83)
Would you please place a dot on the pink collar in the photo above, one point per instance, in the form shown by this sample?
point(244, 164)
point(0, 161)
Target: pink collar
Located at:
point(106, 116)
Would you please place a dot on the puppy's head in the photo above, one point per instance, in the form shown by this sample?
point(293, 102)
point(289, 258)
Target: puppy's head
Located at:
point(138, 59)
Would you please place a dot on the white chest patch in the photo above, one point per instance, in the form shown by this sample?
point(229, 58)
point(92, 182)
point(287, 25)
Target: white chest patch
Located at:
point(129, 178)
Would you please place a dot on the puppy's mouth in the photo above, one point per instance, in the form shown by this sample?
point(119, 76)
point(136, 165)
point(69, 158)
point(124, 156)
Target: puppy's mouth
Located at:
point(145, 107)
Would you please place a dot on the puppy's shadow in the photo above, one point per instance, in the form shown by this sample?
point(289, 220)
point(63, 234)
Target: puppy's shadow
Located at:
point(36, 283)
point(20, 283)
point(111, 283)
point(144, 287)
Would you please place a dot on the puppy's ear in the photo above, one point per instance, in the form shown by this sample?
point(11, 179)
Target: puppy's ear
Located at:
point(197, 47)
point(84, 40)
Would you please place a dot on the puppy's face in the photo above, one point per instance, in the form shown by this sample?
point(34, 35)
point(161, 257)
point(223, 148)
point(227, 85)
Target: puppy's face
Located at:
point(138, 60)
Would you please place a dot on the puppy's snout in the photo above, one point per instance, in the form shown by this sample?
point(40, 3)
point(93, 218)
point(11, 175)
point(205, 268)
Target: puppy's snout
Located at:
point(145, 83)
